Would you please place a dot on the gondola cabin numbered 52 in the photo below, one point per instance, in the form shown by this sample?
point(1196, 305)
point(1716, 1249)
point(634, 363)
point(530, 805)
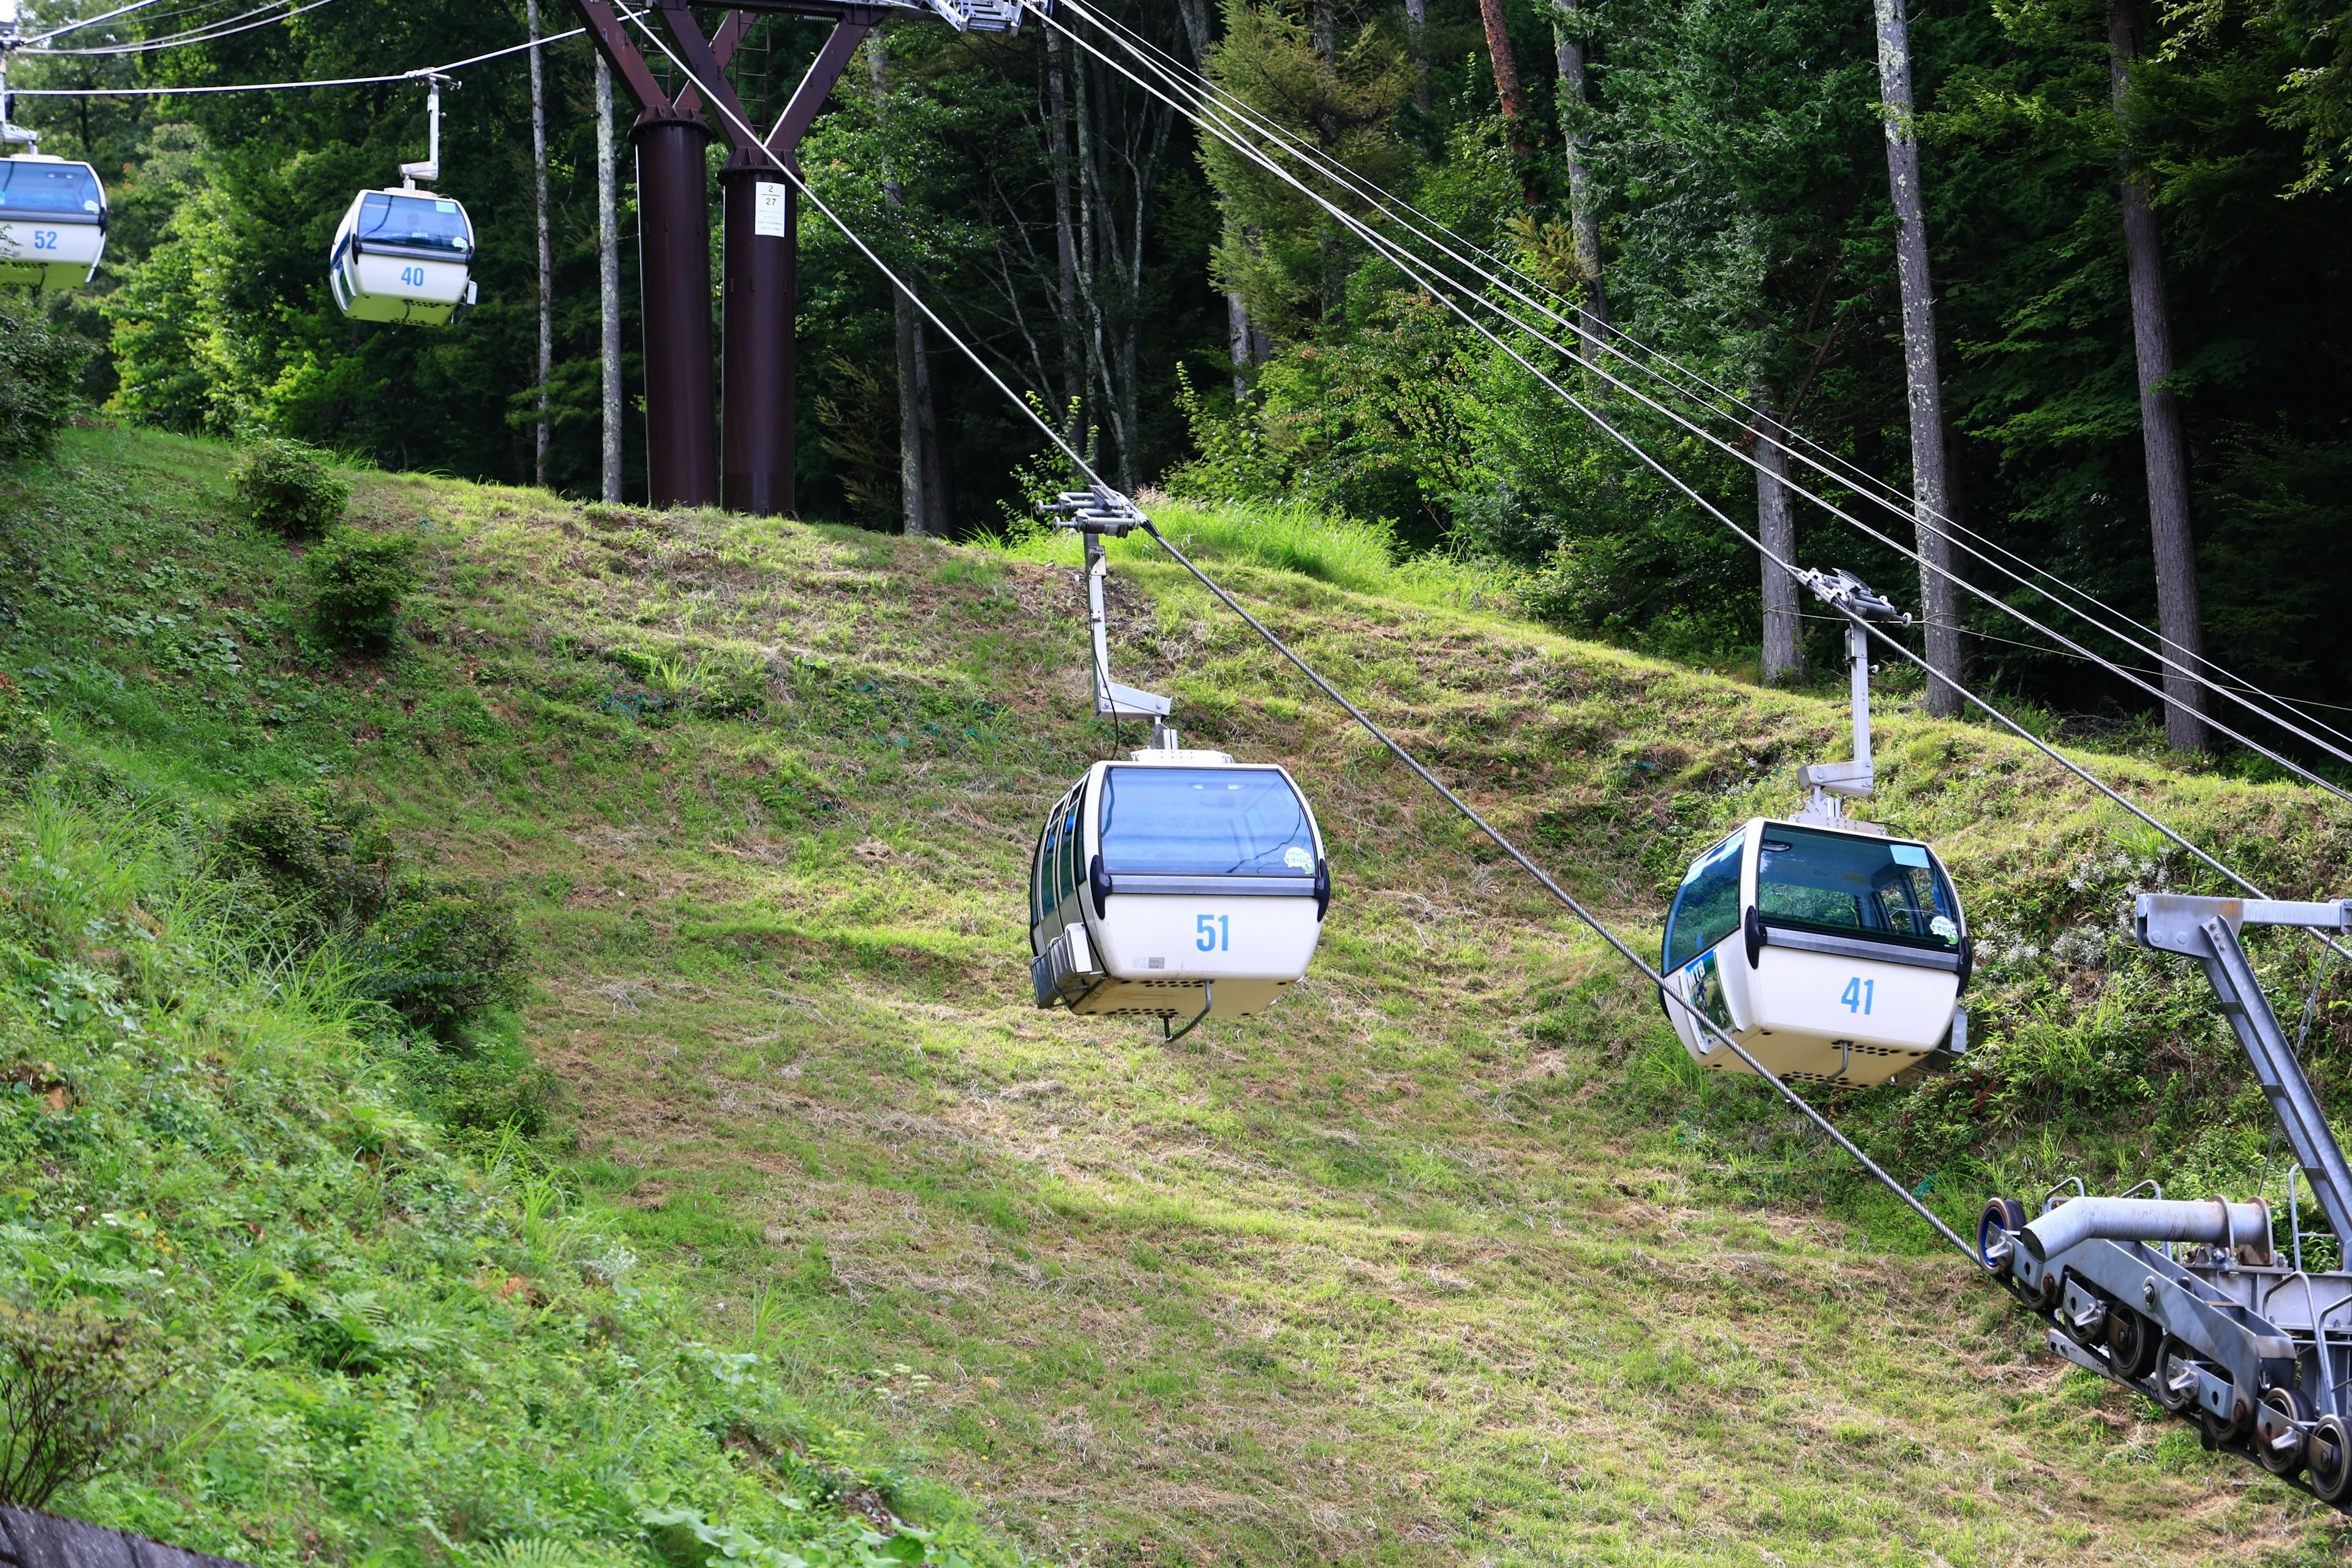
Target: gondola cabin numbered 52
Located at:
point(1832, 955)
point(52, 222)
point(1177, 884)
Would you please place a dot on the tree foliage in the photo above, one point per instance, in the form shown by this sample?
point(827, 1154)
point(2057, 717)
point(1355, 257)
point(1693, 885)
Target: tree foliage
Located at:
point(1065, 222)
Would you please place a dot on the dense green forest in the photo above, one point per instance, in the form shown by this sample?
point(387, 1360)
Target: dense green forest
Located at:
point(1211, 332)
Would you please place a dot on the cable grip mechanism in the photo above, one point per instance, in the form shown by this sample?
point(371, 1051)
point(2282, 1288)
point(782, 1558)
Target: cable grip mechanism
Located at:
point(1828, 784)
point(1095, 511)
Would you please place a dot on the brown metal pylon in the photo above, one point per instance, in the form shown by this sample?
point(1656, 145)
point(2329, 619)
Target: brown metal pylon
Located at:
point(760, 213)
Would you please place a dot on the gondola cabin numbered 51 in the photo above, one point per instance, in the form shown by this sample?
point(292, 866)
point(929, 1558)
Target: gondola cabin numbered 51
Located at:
point(1175, 884)
point(1832, 955)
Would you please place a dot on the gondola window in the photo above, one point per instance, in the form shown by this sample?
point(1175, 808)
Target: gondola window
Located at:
point(1839, 882)
point(1707, 908)
point(1161, 821)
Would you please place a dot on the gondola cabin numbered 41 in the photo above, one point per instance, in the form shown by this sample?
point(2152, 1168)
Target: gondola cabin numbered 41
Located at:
point(1832, 955)
point(1177, 884)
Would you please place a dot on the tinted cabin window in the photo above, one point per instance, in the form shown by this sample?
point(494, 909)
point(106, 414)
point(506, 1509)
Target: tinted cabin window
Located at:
point(50, 190)
point(1037, 879)
point(1217, 822)
point(1706, 910)
point(425, 222)
point(1869, 886)
point(1073, 842)
point(1049, 863)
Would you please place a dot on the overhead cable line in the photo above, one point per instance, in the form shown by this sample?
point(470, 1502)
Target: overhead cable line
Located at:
point(1426, 274)
point(189, 36)
point(419, 73)
point(1468, 813)
point(102, 16)
point(1409, 266)
point(1189, 79)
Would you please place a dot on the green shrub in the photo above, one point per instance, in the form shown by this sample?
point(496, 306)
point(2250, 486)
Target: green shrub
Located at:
point(730, 685)
point(289, 488)
point(71, 1384)
point(40, 368)
point(25, 744)
point(357, 583)
point(320, 851)
point(443, 956)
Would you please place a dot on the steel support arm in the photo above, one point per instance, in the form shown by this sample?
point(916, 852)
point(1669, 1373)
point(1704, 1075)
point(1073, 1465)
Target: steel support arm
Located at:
point(2206, 929)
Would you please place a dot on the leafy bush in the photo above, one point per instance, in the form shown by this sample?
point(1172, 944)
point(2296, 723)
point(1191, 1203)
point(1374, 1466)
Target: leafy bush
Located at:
point(25, 744)
point(730, 687)
point(72, 1386)
point(320, 851)
point(289, 488)
point(357, 583)
point(370, 1328)
point(39, 367)
point(443, 956)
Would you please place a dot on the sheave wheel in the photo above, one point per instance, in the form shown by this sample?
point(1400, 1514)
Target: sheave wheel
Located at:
point(1997, 1228)
point(2285, 1456)
point(2329, 1455)
point(2133, 1342)
point(2176, 1377)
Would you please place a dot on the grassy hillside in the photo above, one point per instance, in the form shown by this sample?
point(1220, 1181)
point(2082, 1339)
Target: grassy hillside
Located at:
point(1450, 1259)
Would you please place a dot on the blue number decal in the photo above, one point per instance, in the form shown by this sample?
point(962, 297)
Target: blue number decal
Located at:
point(412, 276)
point(1868, 987)
point(44, 239)
point(1225, 933)
point(1207, 928)
point(1853, 996)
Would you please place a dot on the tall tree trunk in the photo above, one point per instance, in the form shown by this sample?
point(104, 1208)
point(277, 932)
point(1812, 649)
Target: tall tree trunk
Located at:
point(1238, 336)
point(1092, 219)
point(1506, 63)
point(1065, 236)
point(608, 276)
point(1416, 32)
point(546, 252)
point(1776, 525)
point(1938, 597)
point(914, 481)
point(2177, 617)
point(1513, 100)
point(938, 508)
point(1583, 216)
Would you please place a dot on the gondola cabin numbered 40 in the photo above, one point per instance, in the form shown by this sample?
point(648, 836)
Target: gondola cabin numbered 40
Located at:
point(403, 255)
point(1832, 955)
point(1177, 884)
point(52, 222)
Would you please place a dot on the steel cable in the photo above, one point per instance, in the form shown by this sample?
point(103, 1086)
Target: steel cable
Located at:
point(420, 73)
point(1187, 79)
point(1469, 813)
point(1421, 272)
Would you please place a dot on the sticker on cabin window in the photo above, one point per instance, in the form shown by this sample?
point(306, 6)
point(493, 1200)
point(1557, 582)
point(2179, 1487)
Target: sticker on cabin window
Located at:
point(1943, 927)
point(445, 206)
point(774, 204)
point(1297, 859)
point(1909, 855)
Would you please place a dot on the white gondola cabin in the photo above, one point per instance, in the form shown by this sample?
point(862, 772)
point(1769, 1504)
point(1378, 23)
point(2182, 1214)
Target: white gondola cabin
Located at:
point(52, 221)
point(1177, 884)
point(403, 255)
point(1832, 954)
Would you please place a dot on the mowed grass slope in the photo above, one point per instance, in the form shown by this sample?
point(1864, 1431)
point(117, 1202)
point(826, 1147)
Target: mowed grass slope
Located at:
point(1446, 1259)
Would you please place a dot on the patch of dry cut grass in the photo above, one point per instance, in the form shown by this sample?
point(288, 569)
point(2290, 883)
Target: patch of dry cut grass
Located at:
point(1433, 1264)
